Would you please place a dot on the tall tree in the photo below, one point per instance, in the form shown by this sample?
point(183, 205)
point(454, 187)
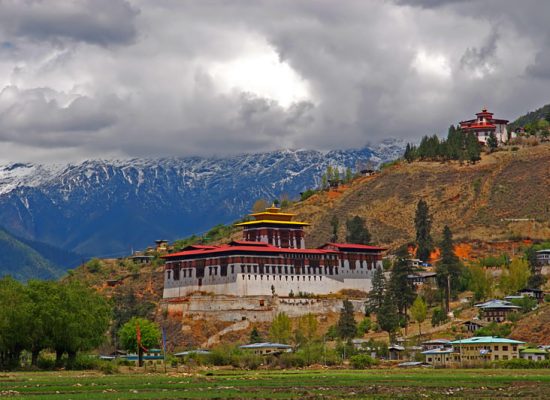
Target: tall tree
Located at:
point(423, 225)
point(473, 148)
point(409, 153)
point(281, 329)
point(376, 295)
point(306, 329)
point(357, 231)
point(347, 327)
point(480, 282)
point(139, 334)
point(83, 318)
point(334, 224)
point(515, 277)
point(492, 142)
point(349, 175)
point(44, 308)
point(399, 284)
point(448, 267)
point(387, 316)
point(15, 312)
point(418, 312)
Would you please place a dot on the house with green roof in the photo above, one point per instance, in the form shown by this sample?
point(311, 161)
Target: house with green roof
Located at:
point(480, 349)
point(533, 354)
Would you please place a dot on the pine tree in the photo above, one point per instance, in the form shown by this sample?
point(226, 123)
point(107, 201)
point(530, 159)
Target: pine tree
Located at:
point(334, 223)
point(347, 327)
point(349, 175)
point(376, 294)
point(473, 148)
point(357, 231)
point(387, 316)
point(448, 268)
point(255, 336)
point(492, 142)
point(409, 155)
point(423, 225)
point(324, 182)
point(403, 291)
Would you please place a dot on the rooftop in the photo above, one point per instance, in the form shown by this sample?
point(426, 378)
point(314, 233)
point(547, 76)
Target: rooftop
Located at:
point(486, 339)
point(265, 345)
point(438, 351)
point(497, 304)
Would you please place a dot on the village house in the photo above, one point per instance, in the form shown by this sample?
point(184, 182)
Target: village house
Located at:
point(484, 125)
point(267, 348)
point(418, 279)
point(396, 352)
point(496, 310)
point(537, 294)
point(271, 259)
point(474, 325)
point(543, 257)
point(485, 348)
point(439, 357)
point(436, 344)
point(533, 354)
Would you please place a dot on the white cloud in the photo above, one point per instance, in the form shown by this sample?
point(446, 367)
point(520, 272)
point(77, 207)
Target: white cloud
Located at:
point(101, 77)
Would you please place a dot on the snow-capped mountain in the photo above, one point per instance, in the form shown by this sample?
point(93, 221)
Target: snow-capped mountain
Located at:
point(107, 208)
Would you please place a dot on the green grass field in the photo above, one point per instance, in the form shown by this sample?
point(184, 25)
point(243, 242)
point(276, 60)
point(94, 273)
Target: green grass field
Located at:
point(310, 384)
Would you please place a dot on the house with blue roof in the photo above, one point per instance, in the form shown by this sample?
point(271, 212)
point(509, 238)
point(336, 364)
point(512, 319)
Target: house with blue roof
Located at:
point(496, 310)
point(485, 348)
point(267, 348)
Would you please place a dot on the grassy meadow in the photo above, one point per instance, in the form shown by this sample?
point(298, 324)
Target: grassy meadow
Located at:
point(290, 384)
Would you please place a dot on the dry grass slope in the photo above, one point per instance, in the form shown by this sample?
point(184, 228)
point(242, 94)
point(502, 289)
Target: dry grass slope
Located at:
point(486, 201)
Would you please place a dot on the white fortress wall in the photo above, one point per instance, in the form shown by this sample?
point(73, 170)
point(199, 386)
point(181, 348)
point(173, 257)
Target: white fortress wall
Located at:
point(254, 284)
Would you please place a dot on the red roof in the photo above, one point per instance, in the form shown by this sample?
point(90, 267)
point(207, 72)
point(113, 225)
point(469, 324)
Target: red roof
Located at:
point(248, 248)
point(478, 126)
point(352, 246)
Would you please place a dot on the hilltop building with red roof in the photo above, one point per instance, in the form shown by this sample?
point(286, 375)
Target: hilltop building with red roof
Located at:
point(484, 124)
point(271, 258)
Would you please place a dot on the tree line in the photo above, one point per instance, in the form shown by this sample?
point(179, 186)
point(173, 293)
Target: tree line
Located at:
point(65, 318)
point(459, 145)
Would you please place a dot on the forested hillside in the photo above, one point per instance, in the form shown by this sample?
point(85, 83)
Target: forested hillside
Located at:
point(22, 262)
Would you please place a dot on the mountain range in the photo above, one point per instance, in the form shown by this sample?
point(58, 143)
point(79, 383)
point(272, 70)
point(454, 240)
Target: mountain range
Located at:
point(107, 208)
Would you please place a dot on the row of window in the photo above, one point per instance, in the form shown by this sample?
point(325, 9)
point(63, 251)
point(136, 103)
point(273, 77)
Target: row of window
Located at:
point(177, 273)
point(286, 277)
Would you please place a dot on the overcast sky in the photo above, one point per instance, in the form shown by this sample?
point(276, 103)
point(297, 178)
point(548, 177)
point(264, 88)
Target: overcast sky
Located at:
point(132, 78)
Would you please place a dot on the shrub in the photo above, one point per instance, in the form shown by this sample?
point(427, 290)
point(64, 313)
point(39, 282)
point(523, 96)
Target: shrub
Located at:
point(83, 362)
point(46, 363)
point(521, 363)
point(547, 298)
point(438, 317)
point(307, 194)
point(362, 361)
point(94, 265)
point(108, 367)
point(364, 326)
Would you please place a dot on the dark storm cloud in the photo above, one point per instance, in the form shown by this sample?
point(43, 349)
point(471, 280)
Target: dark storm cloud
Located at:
point(167, 77)
point(100, 22)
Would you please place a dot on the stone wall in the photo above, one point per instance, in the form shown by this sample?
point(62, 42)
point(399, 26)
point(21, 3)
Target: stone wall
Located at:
point(252, 308)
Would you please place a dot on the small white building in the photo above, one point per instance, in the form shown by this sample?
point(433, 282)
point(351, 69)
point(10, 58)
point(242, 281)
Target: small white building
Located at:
point(439, 357)
point(267, 348)
point(533, 354)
